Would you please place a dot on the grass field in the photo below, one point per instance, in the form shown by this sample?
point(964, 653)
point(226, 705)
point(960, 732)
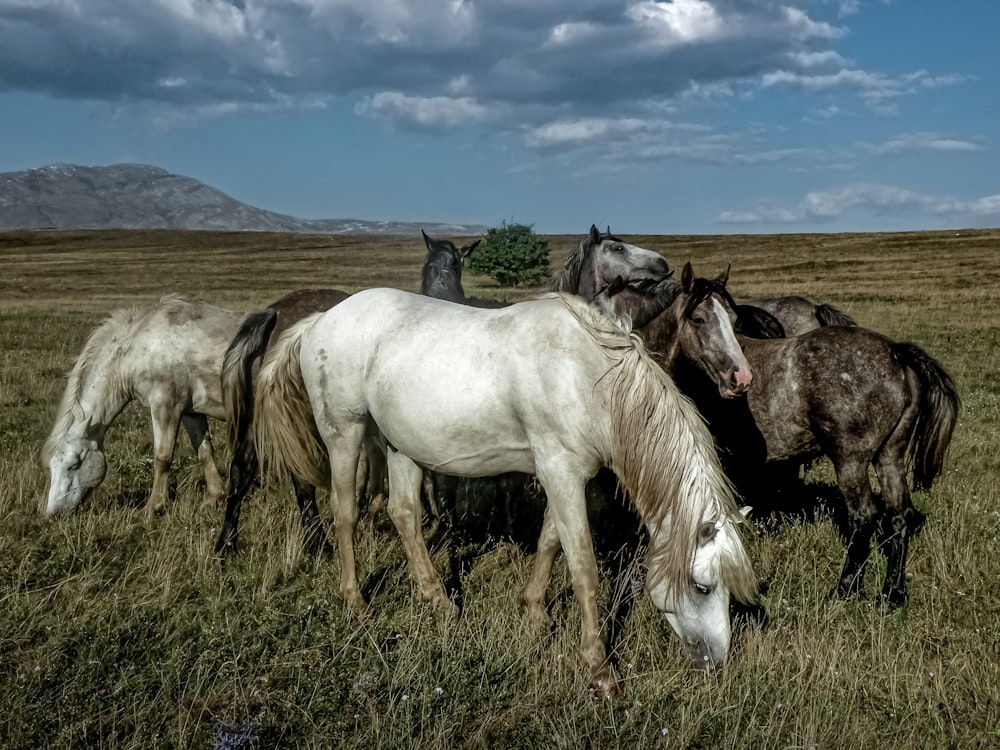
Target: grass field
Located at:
point(121, 632)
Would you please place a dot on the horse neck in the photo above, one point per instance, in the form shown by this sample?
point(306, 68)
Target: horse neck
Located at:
point(661, 337)
point(665, 458)
point(96, 393)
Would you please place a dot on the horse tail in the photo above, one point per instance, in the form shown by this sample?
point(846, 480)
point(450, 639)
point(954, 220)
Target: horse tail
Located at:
point(937, 404)
point(285, 429)
point(828, 315)
point(244, 351)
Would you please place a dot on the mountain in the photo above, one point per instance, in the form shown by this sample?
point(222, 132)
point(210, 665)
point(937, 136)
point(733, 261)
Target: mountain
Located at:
point(138, 196)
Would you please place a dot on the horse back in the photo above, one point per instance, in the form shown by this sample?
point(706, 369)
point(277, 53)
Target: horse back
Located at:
point(446, 382)
point(175, 352)
point(835, 388)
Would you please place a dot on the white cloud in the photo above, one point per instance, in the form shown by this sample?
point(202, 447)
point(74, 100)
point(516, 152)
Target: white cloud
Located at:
point(426, 112)
point(875, 199)
point(916, 142)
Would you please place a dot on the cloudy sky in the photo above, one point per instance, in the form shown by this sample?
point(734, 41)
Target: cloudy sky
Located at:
point(677, 116)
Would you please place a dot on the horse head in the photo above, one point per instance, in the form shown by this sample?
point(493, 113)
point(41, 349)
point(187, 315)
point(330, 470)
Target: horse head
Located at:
point(442, 273)
point(706, 333)
point(699, 613)
point(76, 467)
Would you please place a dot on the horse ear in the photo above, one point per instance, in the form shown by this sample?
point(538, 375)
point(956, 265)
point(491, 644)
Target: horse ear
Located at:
point(595, 234)
point(466, 251)
point(706, 532)
point(687, 278)
point(745, 511)
point(723, 278)
point(427, 240)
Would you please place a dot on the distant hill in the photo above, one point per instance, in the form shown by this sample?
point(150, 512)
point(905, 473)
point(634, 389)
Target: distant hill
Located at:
point(138, 196)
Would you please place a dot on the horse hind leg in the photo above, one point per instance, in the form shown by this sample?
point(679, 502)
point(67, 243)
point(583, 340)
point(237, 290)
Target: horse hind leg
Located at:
point(196, 426)
point(314, 539)
point(899, 523)
point(405, 482)
point(343, 445)
point(242, 474)
point(855, 487)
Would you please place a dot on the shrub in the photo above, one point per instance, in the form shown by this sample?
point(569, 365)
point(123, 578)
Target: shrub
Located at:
point(511, 254)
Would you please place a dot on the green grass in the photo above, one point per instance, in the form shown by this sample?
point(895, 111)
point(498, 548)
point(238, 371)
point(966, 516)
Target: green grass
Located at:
point(122, 632)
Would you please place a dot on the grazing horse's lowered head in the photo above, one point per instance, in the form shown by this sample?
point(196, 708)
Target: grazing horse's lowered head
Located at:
point(442, 274)
point(602, 257)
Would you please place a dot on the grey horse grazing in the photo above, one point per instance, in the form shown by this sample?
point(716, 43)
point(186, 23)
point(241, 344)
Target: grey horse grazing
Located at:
point(168, 357)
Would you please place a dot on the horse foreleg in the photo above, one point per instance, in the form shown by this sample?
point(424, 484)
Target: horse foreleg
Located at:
point(405, 479)
point(165, 424)
point(568, 508)
point(196, 426)
point(852, 478)
point(541, 569)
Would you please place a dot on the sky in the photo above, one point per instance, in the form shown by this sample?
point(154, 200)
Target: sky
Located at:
point(653, 117)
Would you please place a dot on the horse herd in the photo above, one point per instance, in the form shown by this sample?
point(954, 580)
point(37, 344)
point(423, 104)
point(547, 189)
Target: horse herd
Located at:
point(678, 388)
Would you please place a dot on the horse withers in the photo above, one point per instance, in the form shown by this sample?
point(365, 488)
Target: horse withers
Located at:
point(550, 387)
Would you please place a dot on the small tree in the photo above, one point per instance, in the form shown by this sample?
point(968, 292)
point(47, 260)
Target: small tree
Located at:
point(512, 254)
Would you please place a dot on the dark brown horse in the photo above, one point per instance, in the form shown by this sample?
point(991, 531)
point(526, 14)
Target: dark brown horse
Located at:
point(846, 392)
point(239, 370)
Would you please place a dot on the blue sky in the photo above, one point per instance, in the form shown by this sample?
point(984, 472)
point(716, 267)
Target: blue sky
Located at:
point(680, 116)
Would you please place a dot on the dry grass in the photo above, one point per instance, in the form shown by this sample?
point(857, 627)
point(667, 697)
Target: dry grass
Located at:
point(119, 632)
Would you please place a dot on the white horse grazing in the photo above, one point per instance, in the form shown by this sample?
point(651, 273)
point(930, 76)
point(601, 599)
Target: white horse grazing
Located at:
point(551, 387)
point(169, 358)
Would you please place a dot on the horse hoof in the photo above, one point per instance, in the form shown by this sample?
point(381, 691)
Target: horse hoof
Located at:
point(894, 598)
point(606, 684)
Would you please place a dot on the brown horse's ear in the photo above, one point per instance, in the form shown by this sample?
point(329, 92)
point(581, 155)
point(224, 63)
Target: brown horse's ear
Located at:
point(466, 251)
point(723, 278)
point(687, 278)
point(595, 234)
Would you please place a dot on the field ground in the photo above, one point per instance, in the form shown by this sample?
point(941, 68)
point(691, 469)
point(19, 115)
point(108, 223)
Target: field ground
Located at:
point(118, 632)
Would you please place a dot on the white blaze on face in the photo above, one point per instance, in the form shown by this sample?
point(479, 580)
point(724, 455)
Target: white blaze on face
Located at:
point(743, 374)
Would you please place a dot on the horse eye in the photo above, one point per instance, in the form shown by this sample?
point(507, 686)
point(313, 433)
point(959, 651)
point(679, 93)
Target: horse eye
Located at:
point(618, 248)
point(702, 588)
point(698, 321)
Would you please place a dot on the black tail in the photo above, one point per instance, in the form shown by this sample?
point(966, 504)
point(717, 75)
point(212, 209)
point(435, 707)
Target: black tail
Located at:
point(937, 414)
point(246, 349)
point(828, 315)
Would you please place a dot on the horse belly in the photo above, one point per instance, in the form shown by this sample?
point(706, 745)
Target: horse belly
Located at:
point(450, 430)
